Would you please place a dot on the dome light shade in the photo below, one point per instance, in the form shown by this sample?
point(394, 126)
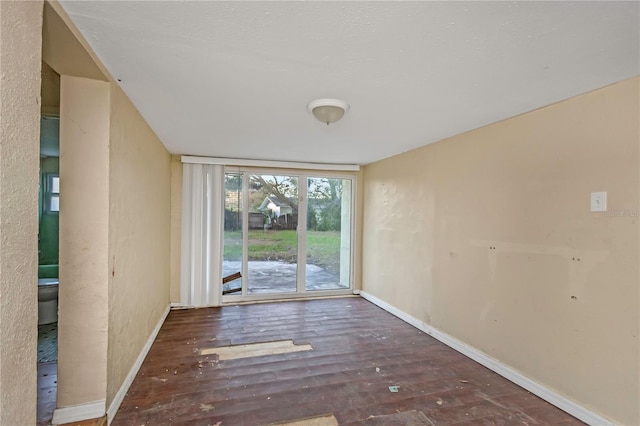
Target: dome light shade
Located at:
point(328, 110)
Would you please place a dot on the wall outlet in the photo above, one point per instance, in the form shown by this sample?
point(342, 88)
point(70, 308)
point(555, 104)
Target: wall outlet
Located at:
point(598, 201)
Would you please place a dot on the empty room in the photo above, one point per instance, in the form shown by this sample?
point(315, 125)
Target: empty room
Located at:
point(319, 213)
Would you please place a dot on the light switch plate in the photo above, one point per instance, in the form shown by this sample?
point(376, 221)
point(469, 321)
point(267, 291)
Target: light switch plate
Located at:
point(598, 201)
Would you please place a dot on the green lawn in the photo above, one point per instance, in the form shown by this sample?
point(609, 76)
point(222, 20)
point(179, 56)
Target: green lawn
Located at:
point(323, 247)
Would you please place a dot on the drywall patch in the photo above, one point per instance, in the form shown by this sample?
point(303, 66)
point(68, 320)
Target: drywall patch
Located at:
point(324, 420)
point(255, 349)
point(412, 417)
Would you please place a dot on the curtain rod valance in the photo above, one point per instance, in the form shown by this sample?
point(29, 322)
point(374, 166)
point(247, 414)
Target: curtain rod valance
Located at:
point(269, 163)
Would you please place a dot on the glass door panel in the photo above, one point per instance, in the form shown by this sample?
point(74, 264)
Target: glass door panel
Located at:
point(328, 236)
point(272, 236)
point(233, 241)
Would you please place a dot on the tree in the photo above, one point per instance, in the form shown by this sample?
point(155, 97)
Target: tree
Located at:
point(284, 188)
point(325, 196)
point(233, 182)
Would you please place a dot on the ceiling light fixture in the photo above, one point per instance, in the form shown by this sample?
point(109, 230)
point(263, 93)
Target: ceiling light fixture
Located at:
point(328, 110)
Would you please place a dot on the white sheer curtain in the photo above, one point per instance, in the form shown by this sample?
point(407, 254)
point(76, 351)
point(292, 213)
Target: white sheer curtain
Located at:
point(202, 228)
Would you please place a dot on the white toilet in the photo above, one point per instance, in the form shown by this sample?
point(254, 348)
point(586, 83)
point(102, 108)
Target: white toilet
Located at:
point(47, 300)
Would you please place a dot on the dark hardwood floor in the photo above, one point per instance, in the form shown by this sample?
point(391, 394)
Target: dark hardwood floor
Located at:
point(359, 351)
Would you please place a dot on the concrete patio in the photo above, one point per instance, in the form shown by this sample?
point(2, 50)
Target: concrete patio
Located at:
point(280, 277)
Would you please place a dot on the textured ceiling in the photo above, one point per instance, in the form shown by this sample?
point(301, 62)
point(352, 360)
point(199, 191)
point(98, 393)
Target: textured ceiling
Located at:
point(233, 79)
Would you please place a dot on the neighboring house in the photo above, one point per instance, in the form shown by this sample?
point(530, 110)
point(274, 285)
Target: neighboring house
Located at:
point(278, 208)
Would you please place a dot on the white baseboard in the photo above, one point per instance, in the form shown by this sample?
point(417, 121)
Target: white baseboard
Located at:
point(76, 413)
point(117, 400)
point(505, 371)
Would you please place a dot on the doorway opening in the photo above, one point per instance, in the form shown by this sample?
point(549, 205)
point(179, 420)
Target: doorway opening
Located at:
point(48, 245)
point(48, 281)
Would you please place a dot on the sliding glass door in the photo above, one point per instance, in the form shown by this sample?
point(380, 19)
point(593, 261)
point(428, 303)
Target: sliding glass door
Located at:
point(286, 235)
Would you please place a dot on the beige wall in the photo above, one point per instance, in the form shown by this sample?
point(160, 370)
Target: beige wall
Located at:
point(62, 50)
point(139, 237)
point(50, 90)
point(558, 297)
point(20, 47)
point(84, 231)
point(114, 221)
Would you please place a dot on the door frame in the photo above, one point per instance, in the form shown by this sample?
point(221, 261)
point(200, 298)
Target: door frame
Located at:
point(301, 230)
